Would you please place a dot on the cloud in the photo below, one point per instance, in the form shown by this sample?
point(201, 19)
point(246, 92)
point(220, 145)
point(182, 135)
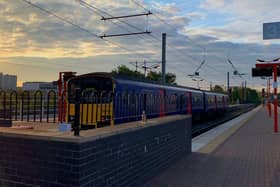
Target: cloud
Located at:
point(197, 15)
point(166, 8)
point(244, 19)
point(33, 40)
point(212, 4)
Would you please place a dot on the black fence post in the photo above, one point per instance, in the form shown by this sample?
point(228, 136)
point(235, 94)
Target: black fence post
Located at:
point(76, 126)
point(35, 104)
point(14, 93)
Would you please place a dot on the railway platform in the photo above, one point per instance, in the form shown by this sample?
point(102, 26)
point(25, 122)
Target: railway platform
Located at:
point(243, 153)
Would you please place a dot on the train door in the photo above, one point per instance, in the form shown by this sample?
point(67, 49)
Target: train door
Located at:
point(161, 102)
point(223, 102)
point(145, 102)
point(189, 103)
point(205, 102)
point(181, 103)
point(216, 101)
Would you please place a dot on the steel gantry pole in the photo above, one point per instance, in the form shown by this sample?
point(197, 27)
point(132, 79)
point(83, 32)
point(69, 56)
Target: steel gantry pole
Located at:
point(163, 58)
point(268, 97)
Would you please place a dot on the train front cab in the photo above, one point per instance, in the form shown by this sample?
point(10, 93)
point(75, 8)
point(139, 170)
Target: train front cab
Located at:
point(96, 101)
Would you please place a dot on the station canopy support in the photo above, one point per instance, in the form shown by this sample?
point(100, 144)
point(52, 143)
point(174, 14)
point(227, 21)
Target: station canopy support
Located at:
point(264, 69)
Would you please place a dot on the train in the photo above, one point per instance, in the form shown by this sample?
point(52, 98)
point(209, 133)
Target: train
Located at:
point(108, 99)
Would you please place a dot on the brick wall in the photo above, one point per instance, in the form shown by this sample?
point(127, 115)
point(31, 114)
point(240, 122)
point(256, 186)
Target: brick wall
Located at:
point(124, 159)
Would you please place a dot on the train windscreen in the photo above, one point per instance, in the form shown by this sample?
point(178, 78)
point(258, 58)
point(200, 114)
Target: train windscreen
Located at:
point(89, 86)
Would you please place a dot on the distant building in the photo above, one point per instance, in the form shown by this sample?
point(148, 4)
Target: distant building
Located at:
point(8, 82)
point(29, 86)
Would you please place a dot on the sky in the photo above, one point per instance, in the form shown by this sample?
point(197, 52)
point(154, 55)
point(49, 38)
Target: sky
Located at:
point(40, 38)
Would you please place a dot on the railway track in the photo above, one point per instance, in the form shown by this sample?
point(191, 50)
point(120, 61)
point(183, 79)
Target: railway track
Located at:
point(233, 112)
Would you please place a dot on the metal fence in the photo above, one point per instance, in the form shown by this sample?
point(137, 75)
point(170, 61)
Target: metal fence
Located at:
point(34, 106)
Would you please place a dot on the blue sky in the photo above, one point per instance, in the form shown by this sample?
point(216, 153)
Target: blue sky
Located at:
point(36, 46)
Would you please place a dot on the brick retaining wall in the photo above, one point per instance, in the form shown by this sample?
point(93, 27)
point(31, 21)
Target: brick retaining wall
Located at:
point(124, 159)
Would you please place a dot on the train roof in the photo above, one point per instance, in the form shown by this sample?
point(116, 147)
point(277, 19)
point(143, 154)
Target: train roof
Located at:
point(121, 78)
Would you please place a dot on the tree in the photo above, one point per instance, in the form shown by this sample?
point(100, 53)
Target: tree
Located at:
point(170, 78)
point(247, 95)
point(252, 96)
point(219, 89)
point(154, 76)
point(124, 70)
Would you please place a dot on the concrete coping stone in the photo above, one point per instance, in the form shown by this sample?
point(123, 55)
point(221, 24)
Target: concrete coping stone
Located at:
point(52, 134)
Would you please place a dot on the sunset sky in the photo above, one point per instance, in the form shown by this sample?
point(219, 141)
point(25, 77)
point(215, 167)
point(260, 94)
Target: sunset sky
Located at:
point(35, 45)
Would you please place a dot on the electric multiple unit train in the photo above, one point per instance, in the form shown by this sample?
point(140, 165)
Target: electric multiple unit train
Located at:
point(108, 99)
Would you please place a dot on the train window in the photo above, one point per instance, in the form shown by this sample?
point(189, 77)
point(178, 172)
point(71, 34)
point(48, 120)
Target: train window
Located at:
point(90, 84)
point(167, 99)
point(149, 99)
point(157, 97)
point(125, 98)
point(145, 102)
point(153, 99)
point(133, 99)
point(88, 95)
point(174, 99)
point(210, 100)
point(196, 99)
point(182, 101)
point(128, 98)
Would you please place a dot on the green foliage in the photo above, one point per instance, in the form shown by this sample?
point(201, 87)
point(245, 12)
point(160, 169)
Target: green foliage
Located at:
point(170, 78)
point(247, 95)
point(218, 88)
point(154, 76)
point(253, 96)
point(124, 70)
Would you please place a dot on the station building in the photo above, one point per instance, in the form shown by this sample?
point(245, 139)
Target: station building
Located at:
point(8, 82)
point(32, 86)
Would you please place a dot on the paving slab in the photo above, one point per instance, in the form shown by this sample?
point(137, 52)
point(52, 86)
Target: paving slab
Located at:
point(206, 141)
point(250, 157)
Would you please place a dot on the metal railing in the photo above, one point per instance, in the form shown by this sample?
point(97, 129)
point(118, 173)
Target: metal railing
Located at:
point(36, 106)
